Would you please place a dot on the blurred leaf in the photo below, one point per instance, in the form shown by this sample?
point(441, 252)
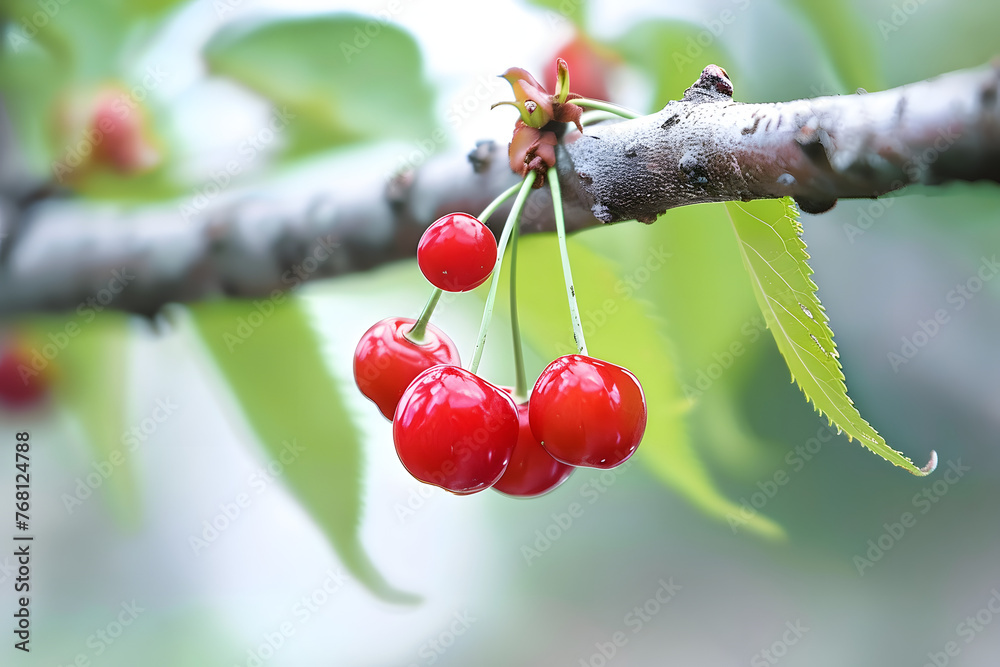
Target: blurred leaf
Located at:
point(623, 330)
point(671, 55)
point(281, 380)
point(775, 256)
point(144, 187)
point(703, 289)
point(30, 81)
point(51, 71)
point(847, 40)
point(687, 264)
point(90, 381)
point(343, 77)
point(573, 10)
point(90, 38)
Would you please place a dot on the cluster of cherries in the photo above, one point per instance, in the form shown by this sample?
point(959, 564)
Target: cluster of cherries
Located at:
point(455, 430)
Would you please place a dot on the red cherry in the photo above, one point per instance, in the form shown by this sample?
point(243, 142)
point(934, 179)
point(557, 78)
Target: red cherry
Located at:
point(457, 253)
point(532, 471)
point(121, 127)
point(587, 412)
point(386, 361)
point(589, 68)
point(21, 386)
point(455, 430)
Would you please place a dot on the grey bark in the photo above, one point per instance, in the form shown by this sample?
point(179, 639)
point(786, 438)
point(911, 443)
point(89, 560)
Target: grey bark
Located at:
point(60, 253)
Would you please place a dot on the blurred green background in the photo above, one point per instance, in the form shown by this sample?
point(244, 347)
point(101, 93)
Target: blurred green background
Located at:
point(323, 550)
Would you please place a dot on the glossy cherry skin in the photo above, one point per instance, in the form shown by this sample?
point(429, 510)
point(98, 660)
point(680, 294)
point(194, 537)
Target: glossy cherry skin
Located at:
point(455, 430)
point(457, 253)
point(21, 386)
point(386, 361)
point(532, 471)
point(587, 412)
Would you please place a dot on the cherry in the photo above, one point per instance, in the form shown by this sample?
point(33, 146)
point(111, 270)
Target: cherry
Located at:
point(587, 412)
point(122, 127)
point(457, 253)
point(589, 66)
point(20, 385)
point(455, 430)
point(386, 361)
point(532, 471)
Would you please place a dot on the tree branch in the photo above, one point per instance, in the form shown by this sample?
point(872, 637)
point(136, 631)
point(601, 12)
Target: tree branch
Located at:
point(67, 254)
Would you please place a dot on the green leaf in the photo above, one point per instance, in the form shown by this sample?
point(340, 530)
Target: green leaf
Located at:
point(281, 380)
point(672, 56)
point(90, 382)
point(343, 77)
point(709, 305)
point(573, 10)
point(623, 330)
point(30, 82)
point(847, 40)
point(774, 255)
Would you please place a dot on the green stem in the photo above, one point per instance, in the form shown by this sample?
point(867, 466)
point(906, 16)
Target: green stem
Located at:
point(495, 204)
point(574, 311)
point(520, 380)
point(591, 117)
point(588, 103)
point(416, 334)
point(512, 218)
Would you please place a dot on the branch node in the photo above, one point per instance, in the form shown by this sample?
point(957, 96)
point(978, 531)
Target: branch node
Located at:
point(712, 86)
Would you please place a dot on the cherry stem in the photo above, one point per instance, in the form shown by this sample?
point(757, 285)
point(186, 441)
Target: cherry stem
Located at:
point(416, 334)
point(574, 311)
point(495, 204)
point(520, 394)
point(588, 103)
point(515, 212)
